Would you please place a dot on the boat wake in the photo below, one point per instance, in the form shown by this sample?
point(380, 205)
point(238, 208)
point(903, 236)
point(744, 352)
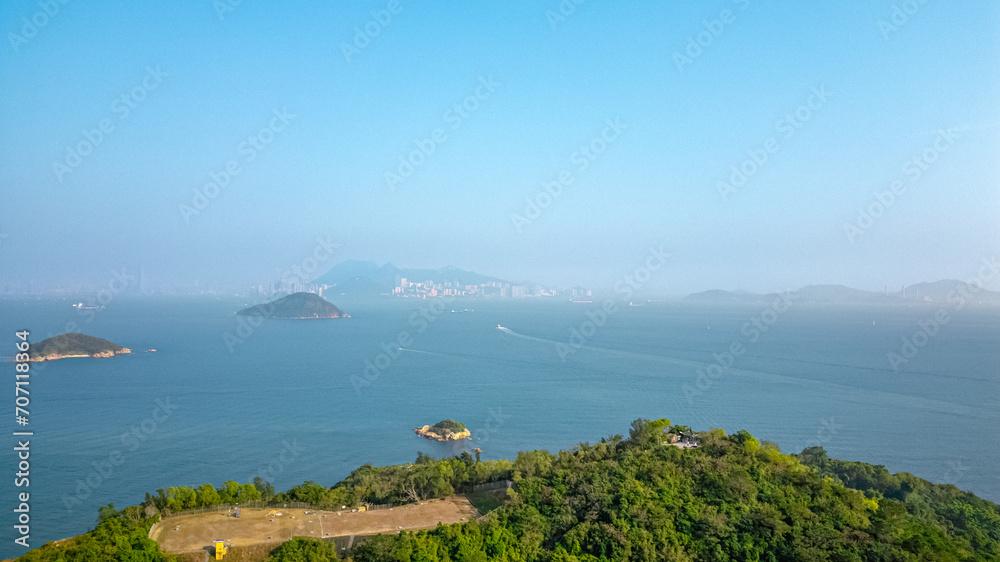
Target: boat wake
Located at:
point(831, 388)
point(598, 349)
point(424, 352)
point(523, 336)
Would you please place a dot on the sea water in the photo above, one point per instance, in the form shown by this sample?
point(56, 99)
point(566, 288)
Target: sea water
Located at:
point(292, 400)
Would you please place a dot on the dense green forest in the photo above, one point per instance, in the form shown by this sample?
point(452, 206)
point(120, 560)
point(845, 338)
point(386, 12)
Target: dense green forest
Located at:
point(635, 498)
point(733, 498)
point(119, 535)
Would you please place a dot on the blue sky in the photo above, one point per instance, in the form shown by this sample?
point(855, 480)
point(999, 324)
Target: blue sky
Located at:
point(554, 85)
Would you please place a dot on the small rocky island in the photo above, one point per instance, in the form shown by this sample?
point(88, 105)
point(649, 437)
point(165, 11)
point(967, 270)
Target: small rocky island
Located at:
point(296, 306)
point(74, 344)
point(445, 430)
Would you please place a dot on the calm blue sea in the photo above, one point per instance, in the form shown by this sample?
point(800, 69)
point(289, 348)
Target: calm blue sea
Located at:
point(283, 404)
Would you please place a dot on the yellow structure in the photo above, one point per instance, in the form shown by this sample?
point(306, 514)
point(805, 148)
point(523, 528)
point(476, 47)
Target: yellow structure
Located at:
point(272, 512)
point(362, 508)
point(220, 550)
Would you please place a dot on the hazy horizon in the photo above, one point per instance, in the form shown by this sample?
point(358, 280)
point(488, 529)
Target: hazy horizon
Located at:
point(178, 181)
point(867, 136)
point(88, 286)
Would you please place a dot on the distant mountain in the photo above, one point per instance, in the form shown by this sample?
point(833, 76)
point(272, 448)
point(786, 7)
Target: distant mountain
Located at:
point(74, 344)
point(453, 274)
point(838, 294)
point(947, 291)
point(717, 295)
point(367, 278)
point(348, 271)
point(939, 292)
point(296, 305)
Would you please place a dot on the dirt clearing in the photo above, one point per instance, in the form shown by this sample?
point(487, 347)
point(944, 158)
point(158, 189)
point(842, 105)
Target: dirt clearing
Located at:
point(190, 533)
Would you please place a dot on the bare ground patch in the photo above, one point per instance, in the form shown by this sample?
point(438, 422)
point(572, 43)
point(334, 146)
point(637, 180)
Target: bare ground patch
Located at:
point(192, 533)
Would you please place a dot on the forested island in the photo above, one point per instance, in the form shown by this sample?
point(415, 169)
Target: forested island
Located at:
point(731, 498)
point(74, 344)
point(296, 306)
point(444, 430)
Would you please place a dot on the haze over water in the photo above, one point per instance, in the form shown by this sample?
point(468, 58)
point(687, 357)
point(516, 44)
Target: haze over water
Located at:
point(767, 146)
point(178, 161)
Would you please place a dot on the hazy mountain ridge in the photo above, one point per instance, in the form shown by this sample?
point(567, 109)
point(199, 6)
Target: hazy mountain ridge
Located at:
point(945, 291)
point(368, 278)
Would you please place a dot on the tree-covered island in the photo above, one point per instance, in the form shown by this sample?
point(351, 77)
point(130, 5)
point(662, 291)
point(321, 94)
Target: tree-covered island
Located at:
point(444, 430)
point(74, 344)
point(296, 306)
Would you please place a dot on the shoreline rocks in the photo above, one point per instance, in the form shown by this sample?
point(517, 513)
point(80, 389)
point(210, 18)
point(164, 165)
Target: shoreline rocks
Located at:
point(438, 432)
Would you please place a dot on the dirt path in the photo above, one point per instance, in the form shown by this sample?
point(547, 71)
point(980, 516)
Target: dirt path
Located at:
point(189, 533)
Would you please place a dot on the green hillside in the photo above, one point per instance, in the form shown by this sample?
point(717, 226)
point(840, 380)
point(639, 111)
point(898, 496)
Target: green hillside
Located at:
point(732, 498)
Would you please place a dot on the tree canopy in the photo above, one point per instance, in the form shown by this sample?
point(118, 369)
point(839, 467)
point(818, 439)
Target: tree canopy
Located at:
point(731, 498)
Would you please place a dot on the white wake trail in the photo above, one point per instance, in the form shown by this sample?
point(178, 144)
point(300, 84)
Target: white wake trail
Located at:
point(831, 388)
point(424, 352)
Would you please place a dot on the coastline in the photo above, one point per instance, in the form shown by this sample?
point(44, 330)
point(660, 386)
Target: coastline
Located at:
point(426, 433)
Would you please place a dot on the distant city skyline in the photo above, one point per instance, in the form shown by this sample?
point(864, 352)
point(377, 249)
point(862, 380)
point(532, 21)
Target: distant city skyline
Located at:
point(129, 281)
